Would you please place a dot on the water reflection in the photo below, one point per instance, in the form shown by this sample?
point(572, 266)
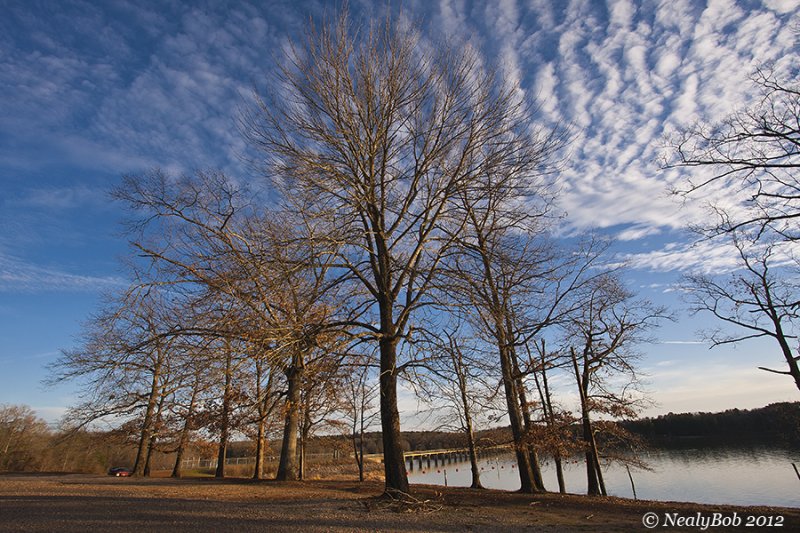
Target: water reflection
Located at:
point(740, 476)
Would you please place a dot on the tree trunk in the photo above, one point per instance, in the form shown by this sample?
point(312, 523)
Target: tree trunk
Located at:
point(301, 475)
point(547, 404)
point(594, 484)
point(150, 446)
point(184, 438)
point(222, 450)
point(287, 466)
point(358, 441)
point(144, 436)
point(588, 434)
point(354, 442)
point(361, 452)
point(536, 470)
point(791, 359)
point(596, 456)
point(162, 397)
point(264, 410)
point(462, 385)
point(562, 486)
point(258, 470)
point(394, 465)
point(305, 430)
point(515, 417)
point(473, 456)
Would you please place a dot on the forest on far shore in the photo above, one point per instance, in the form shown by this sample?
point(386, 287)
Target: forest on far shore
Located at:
point(777, 423)
point(774, 424)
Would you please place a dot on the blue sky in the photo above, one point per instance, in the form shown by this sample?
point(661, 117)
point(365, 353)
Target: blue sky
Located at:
point(92, 90)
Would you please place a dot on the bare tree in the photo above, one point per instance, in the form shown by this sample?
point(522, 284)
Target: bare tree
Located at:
point(517, 284)
point(23, 438)
point(451, 384)
point(125, 364)
point(321, 403)
point(185, 407)
point(383, 134)
point(359, 408)
point(230, 361)
point(756, 152)
point(759, 298)
point(557, 438)
point(601, 339)
point(257, 268)
point(266, 403)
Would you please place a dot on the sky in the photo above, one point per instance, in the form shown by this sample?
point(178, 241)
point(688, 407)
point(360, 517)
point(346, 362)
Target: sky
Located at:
point(93, 90)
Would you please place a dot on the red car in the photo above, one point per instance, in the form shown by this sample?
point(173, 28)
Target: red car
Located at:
point(120, 471)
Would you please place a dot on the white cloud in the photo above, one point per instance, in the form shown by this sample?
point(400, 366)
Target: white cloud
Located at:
point(703, 256)
point(781, 6)
point(17, 275)
point(545, 91)
point(543, 10)
point(637, 232)
point(625, 83)
point(453, 16)
point(685, 109)
point(715, 256)
point(621, 13)
point(78, 196)
point(668, 61)
point(717, 15)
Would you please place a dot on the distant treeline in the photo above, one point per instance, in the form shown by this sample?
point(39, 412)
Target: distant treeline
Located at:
point(373, 442)
point(775, 423)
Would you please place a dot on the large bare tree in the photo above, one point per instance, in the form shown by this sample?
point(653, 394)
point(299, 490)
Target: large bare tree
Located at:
point(754, 153)
point(455, 383)
point(385, 133)
point(257, 269)
point(601, 338)
point(748, 167)
point(759, 299)
point(517, 283)
point(126, 365)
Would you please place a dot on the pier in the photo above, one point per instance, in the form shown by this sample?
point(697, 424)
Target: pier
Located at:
point(435, 458)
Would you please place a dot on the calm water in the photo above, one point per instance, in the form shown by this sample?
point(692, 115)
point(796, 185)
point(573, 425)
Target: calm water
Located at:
point(740, 476)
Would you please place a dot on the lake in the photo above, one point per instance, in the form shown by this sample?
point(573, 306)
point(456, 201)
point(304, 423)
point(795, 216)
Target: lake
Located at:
point(756, 475)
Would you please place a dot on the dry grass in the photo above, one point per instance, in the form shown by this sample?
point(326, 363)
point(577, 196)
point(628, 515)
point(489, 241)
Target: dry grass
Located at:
point(80, 502)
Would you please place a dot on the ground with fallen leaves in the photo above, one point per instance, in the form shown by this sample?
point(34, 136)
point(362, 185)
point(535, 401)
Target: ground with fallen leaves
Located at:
point(81, 502)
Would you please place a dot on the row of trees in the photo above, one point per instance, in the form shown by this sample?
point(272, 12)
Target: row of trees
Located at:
point(775, 423)
point(403, 238)
point(27, 443)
